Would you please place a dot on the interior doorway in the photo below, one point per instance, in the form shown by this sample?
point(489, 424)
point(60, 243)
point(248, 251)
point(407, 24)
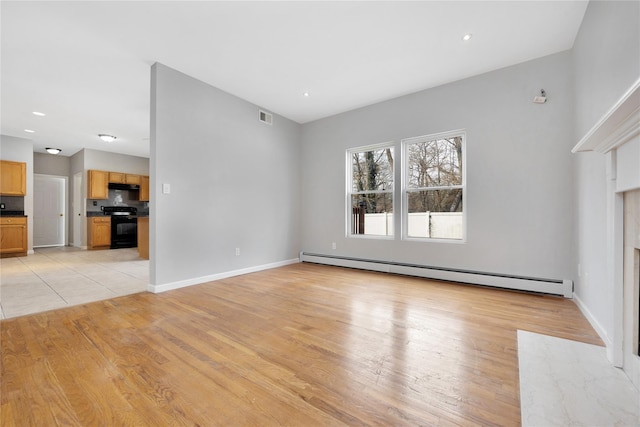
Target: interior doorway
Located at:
point(49, 210)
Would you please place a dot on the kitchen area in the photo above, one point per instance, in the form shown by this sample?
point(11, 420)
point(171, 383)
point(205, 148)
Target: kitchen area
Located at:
point(83, 268)
point(13, 221)
point(117, 210)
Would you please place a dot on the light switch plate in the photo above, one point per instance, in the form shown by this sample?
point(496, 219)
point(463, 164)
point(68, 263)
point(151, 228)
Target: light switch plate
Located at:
point(166, 188)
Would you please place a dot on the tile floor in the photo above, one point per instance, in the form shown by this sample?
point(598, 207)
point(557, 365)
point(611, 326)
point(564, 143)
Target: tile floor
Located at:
point(63, 276)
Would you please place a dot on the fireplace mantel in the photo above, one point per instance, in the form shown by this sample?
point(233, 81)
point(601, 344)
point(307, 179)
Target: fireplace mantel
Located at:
point(617, 136)
point(617, 127)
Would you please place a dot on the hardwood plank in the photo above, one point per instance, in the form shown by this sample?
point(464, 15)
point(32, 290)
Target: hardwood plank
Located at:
point(300, 345)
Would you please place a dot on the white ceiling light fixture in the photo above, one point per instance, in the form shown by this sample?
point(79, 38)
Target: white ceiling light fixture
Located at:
point(53, 150)
point(306, 94)
point(38, 113)
point(107, 138)
point(467, 37)
point(30, 131)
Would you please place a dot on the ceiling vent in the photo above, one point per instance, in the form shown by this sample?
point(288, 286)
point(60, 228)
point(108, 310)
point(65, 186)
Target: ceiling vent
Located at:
point(265, 117)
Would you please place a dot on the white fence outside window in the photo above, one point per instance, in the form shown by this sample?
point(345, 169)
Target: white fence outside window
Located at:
point(438, 225)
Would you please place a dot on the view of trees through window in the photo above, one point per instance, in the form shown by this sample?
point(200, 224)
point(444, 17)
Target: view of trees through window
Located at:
point(434, 187)
point(372, 190)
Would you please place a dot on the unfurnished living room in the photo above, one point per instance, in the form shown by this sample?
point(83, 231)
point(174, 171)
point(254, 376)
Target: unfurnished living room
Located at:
point(320, 213)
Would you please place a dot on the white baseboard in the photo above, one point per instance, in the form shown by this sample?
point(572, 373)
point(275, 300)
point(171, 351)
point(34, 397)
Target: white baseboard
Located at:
point(156, 289)
point(596, 325)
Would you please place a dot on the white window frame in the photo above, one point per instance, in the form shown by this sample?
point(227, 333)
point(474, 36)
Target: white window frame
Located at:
point(349, 190)
point(405, 181)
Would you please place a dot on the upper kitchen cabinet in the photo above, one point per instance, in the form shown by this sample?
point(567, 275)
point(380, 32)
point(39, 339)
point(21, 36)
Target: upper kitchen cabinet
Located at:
point(13, 178)
point(144, 188)
point(132, 179)
point(98, 187)
point(124, 178)
point(117, 177)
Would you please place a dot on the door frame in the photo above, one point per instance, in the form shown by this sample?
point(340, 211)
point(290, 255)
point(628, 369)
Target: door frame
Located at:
point(65, 204)
point(78, 210)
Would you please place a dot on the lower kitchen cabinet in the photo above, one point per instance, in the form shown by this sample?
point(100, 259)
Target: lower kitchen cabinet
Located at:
point(13, 236)
point(143, 237)
point(99, 233)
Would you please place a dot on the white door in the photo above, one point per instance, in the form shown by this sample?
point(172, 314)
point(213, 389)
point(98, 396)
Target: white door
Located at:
point(49, 213)
point(77, 209)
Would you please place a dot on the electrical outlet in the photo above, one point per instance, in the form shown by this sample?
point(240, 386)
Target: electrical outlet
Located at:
point(237, 251)
point(333, 245)
point(2, 206)
point(95, 203)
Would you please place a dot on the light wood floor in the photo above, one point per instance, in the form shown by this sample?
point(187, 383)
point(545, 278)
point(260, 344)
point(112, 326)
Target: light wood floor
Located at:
point(300, 345)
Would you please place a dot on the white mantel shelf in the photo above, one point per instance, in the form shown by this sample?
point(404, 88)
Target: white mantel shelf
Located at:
point(618, 126)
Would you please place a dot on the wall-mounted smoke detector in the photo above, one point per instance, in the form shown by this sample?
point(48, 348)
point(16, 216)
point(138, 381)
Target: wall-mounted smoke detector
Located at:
point(540, 99)
point(265, 117)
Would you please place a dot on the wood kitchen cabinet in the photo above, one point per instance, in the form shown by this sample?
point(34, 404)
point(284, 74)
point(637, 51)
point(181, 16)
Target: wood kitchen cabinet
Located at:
point(132, 179)
point(98, 185)
point(143, 237)
point(13, 178)
point(124, 178)
point(99, 233)
point(117, 177)
point(144, 189)
point(13, 236)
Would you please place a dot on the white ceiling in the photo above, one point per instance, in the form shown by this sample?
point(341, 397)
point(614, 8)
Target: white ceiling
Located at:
point(86, 64)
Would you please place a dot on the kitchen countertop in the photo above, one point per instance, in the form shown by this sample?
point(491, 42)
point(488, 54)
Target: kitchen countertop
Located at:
point(96, 213)
point(12, 213)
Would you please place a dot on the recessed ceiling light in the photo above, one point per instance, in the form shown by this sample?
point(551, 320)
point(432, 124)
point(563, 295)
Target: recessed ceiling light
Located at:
point(467, 37)
point(29, 130)
point(38, 113)
point(306, 94)
point(53, 150)
point(107, 138)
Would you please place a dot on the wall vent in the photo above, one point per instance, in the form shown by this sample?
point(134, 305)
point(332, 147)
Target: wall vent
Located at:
point(265, 117)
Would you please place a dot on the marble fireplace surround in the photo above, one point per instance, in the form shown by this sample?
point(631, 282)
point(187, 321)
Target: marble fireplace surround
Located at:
point(617, 136)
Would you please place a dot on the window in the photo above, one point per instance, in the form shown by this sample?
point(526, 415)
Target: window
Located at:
point(370, 190)
point(434, 185)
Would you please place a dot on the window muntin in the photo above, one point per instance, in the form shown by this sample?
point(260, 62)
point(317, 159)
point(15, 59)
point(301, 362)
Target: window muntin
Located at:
point(434, 186)
point(370, 190)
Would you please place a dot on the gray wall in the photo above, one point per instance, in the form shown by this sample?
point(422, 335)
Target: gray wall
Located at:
point(519, 182)
point(114, 162)
point(606, 62)
point(234, 182)
point(21, 150)
point(50, 164)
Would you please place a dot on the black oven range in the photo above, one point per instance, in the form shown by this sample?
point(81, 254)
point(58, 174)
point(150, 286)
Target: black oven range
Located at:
point(124, 226)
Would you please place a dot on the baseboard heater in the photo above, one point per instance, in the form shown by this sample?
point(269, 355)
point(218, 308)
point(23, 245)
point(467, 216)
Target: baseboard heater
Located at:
point(547, 286)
